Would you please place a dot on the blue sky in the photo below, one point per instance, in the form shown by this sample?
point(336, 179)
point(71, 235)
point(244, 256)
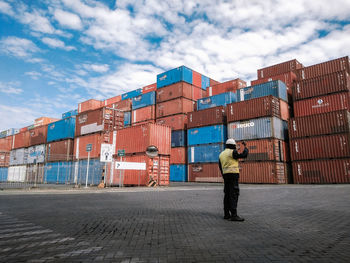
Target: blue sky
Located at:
point(57, 53)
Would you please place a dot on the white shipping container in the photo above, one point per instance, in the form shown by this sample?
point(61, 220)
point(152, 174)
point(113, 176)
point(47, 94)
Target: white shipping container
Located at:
point(18, 156)
point(17, 173)
point(36, 154)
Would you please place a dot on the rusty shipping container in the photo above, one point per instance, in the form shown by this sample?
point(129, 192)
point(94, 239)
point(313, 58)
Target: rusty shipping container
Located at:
point(320, 147)
point(157, 169)
point(21, 140)
point(320, 124)
point(173, 107)
point(136, 139)
point(176, 122)
point(124, 105)
point(149, 88)
point(178, 90)
point(322, 104)
point(102, 119)
point(96, 139)
point(267, 150)
point(204, 172)
point(178, 155)
point(4, 159)
point(143, 114)
point(268, 106)
point(89, 105)
point(321, 171)
point(211, 116)
point(322, 85)
point(227, 86)
point(6, 144)
point(38, 135)
point(264, 173)
point(291, 65)
point(60, 151)
point(323, 68)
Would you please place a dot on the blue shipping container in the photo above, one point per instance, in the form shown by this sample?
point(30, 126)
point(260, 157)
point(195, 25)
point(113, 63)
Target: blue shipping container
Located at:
point(178, 173)
point(127, 118)
point(269, 127)
point(205, 82)
point(275, 88)
point(131, 94)
point(207, 134)
point(62, 129)
point(216, 100)
point(205, 153)
point(70, 114)
point(3, 174)
point(173, 76)
point(59, 173)
point(95, 171)
point(178, 138)
point(144, 100)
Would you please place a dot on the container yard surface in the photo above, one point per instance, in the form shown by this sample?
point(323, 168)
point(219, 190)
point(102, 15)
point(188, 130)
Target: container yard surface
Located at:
point(181, 223)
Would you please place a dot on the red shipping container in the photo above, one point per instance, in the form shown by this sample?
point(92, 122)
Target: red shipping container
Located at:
point(112, 100)
point(288, 78)
point(178, 155)
point(24, 129)
point(102, 119)
point(176, 122)
point(95, 139)
point(38, 135)
point(267, 150)
point(124, 105)
point(327, 67)
point(136, 139)
point(89, 105)
point(21, 140)
point(320, 147)
point(204, 172)
point(157, 169)
point(291, 65)
point(256, 108)
point(178, 90)
point(321, 171)
point(6, 144)
point(172, 107)
point(196, 79)
point(231, 85)
point(143, 114)
point(4, 159)
point(149, 88)
point(322, 104)
point(60, 151)
point(322, 85)
point(320, 124)
point(44, 121)
point(213, 82)
point(207, 117)
point(143, 122)
point(264, 173)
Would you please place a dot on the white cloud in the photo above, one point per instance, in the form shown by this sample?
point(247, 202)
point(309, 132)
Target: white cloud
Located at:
point(20, 48)
point(67, 19)
point(10, 87)
point(33, 74)
point(56, 43)
point(97, 68)
point(37, 22)
point(6, 8)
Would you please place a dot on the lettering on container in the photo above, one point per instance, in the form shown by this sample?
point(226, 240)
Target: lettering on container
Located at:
point(241, 92)
point(299, 170)
point(296, 147)
point(205, 101)
point(82, 118)
point(163, 77)
point(320, 103)
point(243, 125)
point(298, 88)
point(294, 125)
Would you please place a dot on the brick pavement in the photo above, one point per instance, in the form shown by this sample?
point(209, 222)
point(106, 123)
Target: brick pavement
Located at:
point(293, 223)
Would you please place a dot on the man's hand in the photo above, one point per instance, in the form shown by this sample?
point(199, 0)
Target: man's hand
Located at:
point(244, 143)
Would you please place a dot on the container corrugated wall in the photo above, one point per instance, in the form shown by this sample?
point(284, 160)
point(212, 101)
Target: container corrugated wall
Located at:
point(173, 107)
point(207, 134)
point(3, 174)
point(143, 114)
point(131, 94)
point(178, 155)
point(178, 173)
point(275, 88)
point(204, 172)
point(288, 78)
point(178, 90)
point(216, 100)
point(20, 140)
point(280, 68)
point(6, 144)
point(211, 116)
point(179, 138)
point(231, 85)
point(38, 135)
point(19, 156)
point(144, 100)
point(173, 76)
point(269, 127)
point(264, 173)
point(60, 130)
point(36, 154)
point(59, 172)
point(4, 159)
point(206, 153)
point(60, 151)
point(176, 122)
point(17, 173)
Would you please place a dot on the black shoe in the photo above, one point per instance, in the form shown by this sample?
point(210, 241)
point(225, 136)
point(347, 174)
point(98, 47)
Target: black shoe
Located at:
point(227, 217)
point(237, 218)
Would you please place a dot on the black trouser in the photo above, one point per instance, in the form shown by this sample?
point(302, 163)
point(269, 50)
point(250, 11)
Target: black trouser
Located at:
point(231, 190)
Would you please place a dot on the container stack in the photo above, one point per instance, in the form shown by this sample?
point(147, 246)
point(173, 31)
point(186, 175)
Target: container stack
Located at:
point(144, 109)
point(140, 169)
point(319, 132)
point(206, 135)
point(260, 118)
point(227, 86)
point(6, 139)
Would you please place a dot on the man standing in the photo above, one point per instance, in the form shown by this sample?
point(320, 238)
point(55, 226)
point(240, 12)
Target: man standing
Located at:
point(228, 163)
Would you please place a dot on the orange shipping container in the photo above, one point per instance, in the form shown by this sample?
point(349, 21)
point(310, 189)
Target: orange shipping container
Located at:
point(178, 90)
point(38, 135)
point(176, 122)
point(95, 139)
point(157, 169)
point(44, 121)
point(112, 100)
point(178, 155)
point(21, 140)
point(60, 151)
point(89, 105)
point(172, 107)
point(231, 85)
point(143, 122)
point(4, 159)
point(6, 144)
point(149, 88)
point(143, 114)
point(264, 173)
point(136, 139)
point(124, 105)
point(204, 172)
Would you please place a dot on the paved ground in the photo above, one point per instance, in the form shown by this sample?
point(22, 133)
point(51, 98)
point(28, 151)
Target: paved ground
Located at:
point(176, 224)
